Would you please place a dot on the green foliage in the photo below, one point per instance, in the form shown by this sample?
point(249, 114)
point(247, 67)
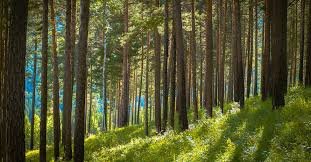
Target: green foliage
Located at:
point(256, 133)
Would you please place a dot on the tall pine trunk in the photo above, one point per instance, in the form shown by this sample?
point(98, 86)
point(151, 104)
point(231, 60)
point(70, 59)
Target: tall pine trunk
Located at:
point(209, 59)
point(13, 73)
point(81, 82)
point(123, 115)
point(67, 97)
point(165, 77)
point(173, 77)
point(302, 41)
point(266, 54)
point(44, 88)
point(181, 77)
point(250, 48)
point(193, 62)
point(308, 52)
point(237, 53)
point(279, 59)
point(56, 117)
point(146, 124)
point(256, 50)
point(33, 104)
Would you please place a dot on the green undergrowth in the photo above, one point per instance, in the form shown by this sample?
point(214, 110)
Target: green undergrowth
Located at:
point(256, 133)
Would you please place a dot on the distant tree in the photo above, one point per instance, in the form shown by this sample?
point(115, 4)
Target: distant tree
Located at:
point(157, 75)
point(44, 88)
point(302, 41)
point(250, 48)
point(279, 59)
point(256, 49)
point(140, 82)
point(147, 87)
point(209, 59)
point(81, 81)
point(33, 103)
point(181, 86)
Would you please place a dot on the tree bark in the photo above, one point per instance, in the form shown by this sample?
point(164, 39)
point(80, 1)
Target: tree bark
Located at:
point(279, 59)
point(44, 88)
point(193, 60)
point(13, 73)
point(125, 68)
point(237, 53)
point(104, 123)
point(140, 84)
point(147, 87)
point(67, 97)
point(250, 48)
point(266, 54)
point(209, 60)
point(56, 117)
point(81, 82)
point(91, 99)
point(33, 105)
point(181, 97)
point(256, 50)
point(308, 53)
point(302, 41)
point(173, 77)
point(165, 77)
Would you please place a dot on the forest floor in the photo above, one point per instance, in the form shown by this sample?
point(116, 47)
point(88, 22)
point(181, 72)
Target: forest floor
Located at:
point(256, 133)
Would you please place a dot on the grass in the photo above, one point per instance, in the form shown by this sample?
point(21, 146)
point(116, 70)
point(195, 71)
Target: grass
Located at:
point(256, 133)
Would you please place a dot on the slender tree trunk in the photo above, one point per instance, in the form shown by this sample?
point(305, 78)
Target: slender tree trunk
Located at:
point(67, 98)
point(33, 106)
point(140, 84)
point(193, 59)
point(266, 54)
point(256, 50)
point(147, 87)
point(308, 52)
point(165, 77)
point(173, 77)
point(73, 39)
point(302, 41)
point(91, 99)
point(222, 41)
point(181, 97)
point(295, 45)
point(56, 117)
point(125, 68)
point(237, 53)
point(105, 106)
point(81, 82)
point(104, 83)
point(209, 59)
point(44, 88)
point(279, 59)
point(157, 77)
point(201, 68)
point(250, 47)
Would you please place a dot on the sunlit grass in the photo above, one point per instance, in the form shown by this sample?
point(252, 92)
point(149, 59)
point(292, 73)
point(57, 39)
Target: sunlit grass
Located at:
point(256, 133)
